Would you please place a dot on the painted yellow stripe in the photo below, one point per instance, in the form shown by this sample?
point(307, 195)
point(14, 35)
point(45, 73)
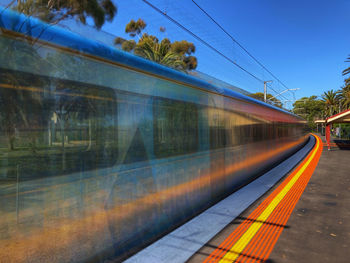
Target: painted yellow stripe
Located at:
point(238, 247)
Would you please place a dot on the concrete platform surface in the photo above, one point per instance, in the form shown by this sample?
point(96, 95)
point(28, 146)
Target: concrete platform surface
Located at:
point(319, 227)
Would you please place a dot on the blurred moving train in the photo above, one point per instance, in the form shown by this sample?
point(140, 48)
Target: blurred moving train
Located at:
point(102, 152)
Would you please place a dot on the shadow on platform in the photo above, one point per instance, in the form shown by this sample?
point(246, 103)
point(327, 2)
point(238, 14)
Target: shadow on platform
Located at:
point(240, 219)
point(246, 256)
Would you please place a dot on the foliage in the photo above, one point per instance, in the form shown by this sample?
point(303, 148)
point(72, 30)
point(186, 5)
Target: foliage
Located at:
point(183, 47)
point(160, 53)
point(347, 70)
point(190, 62)
point(331, 101)
point(310, 108)
point(347, 80)
point(146, 38)
point(260, 96)
point(135, 28)
point(176, 55)
point(344, 97)
point(119, 41)
point(55, 11)
point(347, 83)
point(128, 45)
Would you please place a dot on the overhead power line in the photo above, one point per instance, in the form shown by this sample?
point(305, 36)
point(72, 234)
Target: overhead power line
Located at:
point(241, 46)
point(201, 40)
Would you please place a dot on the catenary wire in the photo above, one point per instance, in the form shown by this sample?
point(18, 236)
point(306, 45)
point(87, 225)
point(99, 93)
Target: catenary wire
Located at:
point(201, 40)
point(242, 47)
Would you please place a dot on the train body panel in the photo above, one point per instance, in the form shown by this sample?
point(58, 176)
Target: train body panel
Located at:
point(102, 152)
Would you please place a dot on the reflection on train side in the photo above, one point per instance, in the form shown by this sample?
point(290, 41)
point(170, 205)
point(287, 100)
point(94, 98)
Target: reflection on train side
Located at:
point(92, 168)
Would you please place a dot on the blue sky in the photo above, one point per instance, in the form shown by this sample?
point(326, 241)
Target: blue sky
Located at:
point(304, 43)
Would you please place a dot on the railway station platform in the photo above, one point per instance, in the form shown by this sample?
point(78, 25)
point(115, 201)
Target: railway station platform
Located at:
point(303, 217)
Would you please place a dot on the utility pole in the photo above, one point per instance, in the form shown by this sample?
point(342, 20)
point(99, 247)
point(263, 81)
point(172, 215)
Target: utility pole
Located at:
point(265, 89)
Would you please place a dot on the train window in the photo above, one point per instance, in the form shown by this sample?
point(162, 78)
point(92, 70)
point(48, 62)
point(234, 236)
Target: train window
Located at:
point(258, 130)
point(217, 137)
point(272, 131)
point(85, 118)
point(217, 128)
point(51, 126)
point(175, 127)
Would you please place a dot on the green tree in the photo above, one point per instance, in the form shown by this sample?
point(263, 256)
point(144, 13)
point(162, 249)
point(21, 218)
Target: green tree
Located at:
point(269, 97)
point(344, 97)
point(54, 11)
point(347, 70)
point(160, 53)
point(190, 62)
point(119, 40)
point(128, 45)
point(309, 108)
point(347, 83)
point(183, 47)
point(332, 102)
point(347, 80)
point(135, 27)
point(344, 92)
point(176, 55)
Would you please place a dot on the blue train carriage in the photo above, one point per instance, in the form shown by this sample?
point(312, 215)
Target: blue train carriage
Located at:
point(102, 152)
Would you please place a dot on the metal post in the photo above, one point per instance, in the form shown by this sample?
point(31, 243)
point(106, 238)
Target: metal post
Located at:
point(265, 90)
point(328, 136)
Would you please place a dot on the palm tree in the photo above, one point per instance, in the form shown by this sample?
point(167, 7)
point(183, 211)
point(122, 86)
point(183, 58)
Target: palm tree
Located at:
point(347, 70)
point(160, 53)
point(344, 97)
point(176, 55)
point(331, 100)
point(347, 83)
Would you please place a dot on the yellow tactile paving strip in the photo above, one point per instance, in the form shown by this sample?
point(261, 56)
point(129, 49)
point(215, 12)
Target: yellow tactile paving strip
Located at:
point(254, 239)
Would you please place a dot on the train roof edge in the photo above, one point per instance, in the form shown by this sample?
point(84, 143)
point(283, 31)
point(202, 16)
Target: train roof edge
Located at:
point(34, 28)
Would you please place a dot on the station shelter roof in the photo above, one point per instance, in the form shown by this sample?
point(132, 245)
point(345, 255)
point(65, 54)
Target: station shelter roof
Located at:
point(320, 121)
point(342, 117)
